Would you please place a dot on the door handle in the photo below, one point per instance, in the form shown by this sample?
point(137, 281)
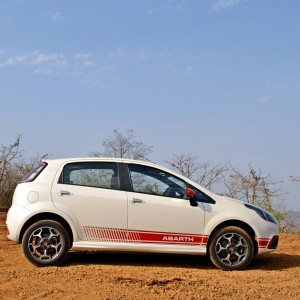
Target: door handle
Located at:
point(136, 200)
point(64, 193)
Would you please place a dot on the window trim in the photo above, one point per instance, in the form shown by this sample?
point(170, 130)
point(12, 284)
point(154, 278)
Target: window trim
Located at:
point(60, 178)
point(125, 179)
point(210, 199)
point(125, 183)
point(130, 186)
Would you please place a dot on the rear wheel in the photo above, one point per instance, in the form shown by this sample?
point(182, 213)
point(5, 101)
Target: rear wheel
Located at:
point(46, 243)
point(231, 248)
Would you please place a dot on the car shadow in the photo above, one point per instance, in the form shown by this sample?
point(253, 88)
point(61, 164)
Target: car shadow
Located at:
point(273, 261)
point(137, 259)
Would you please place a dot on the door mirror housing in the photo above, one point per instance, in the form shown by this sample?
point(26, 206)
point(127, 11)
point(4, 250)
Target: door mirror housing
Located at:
point(190, 193)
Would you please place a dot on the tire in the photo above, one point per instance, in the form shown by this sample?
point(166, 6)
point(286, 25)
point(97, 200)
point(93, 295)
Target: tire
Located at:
point(46, 243)
point(231, 248)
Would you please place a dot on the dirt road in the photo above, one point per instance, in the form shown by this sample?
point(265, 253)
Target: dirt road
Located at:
point(89, 275)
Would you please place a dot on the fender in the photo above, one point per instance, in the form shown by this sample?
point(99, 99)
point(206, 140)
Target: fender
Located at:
point(212, 220)
point(42, 208)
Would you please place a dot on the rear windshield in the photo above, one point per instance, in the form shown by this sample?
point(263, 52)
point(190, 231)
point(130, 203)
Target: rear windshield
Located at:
point(32, 175)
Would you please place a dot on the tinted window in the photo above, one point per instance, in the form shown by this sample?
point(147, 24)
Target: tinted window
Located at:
point(154, 181)
point(201, 197)
point(33, 174)
point(93, 174)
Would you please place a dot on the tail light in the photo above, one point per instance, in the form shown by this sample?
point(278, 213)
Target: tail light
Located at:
point(31, 176)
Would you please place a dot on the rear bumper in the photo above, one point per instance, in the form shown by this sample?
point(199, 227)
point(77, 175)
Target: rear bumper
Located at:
point(15, 221)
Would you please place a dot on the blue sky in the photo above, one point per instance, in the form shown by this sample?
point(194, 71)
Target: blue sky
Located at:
point(219, 78)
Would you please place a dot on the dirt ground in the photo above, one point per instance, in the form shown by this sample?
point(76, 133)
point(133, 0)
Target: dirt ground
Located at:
point(97, 275)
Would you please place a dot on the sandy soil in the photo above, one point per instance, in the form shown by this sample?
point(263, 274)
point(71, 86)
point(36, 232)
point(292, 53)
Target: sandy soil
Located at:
point(88, 275)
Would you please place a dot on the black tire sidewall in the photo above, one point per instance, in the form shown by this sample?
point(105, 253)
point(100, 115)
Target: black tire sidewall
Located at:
point(232, 229)
point(65, 241)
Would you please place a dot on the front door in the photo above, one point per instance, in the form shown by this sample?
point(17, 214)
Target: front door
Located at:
point(89, 192)
point(159, 211)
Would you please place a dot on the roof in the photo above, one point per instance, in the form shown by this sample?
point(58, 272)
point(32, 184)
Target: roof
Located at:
point(108, 159)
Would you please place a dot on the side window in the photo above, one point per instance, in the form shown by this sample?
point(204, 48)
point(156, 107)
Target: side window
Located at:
point(201, 197)
point(150, 180)
point(92, 174)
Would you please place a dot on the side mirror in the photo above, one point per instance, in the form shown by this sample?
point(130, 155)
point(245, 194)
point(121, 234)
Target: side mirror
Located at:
point(191, 194)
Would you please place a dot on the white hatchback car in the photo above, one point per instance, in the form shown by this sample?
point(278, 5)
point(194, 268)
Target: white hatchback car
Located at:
point(129, 205)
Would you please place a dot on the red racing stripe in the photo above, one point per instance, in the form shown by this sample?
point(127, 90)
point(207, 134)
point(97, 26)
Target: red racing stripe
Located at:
point(141, 236)
point(176, 238)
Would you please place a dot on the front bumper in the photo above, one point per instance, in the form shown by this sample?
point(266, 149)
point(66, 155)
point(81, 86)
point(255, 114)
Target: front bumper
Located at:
point(267, 237)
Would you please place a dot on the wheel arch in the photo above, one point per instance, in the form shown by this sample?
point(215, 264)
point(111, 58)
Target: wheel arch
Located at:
point(46, 216)
point(237, 223)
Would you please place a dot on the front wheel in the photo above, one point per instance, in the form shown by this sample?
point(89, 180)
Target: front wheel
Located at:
point(46, 243)
point(231, 248)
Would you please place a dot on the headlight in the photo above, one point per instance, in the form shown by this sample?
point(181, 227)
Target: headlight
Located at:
point(262, 213)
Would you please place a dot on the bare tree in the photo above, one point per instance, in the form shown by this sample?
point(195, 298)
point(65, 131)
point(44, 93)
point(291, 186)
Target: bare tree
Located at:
point(291, 222)
point(124, 145)
point(8, 156)
point(295, 179)
point(13, 167)
point(190, 166)
point(255, 188)
point(24, 165)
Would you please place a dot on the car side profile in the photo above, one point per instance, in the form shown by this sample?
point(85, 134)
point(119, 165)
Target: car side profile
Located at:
point(128, 205)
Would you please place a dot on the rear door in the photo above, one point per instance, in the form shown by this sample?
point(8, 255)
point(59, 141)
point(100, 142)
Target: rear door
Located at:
point(158, 210)
point(89, 192)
